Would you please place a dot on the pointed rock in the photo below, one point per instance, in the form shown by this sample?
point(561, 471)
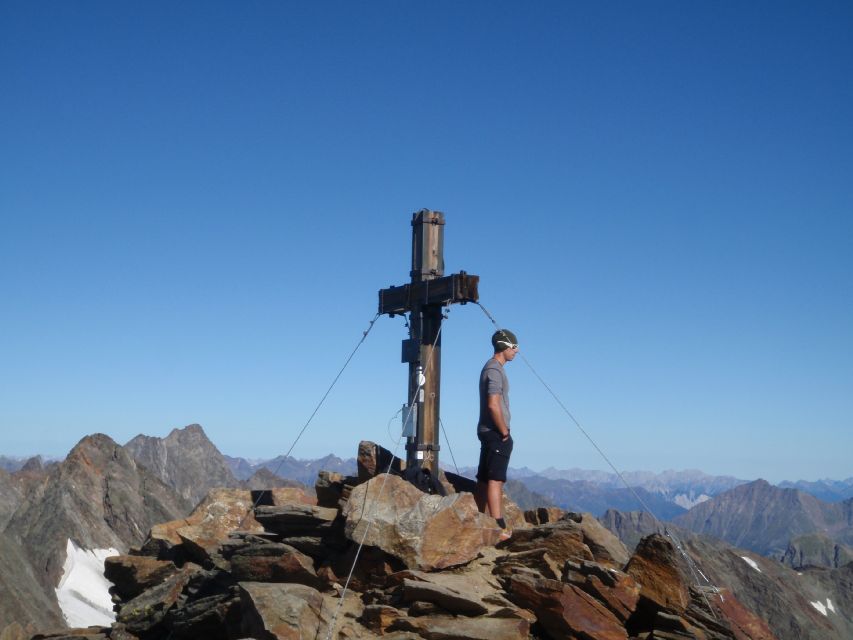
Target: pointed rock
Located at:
point(656, 568)
point(564, 610)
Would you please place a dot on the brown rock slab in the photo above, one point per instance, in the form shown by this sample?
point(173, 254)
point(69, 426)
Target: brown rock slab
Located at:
point(449, 628)
point(563, 540)
point(536, 559)
point(281, 611)
point(448, 599)
point(220, 513)
point(564, 610)
point(606, 548)
point(621, 599)
point(148, 609)
point(296, 519)
point(424, 531)
point(132, 575)
point(274, 562)
point(655, 567)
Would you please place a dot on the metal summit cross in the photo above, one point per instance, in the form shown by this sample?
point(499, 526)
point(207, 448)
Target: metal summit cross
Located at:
point(423, 299)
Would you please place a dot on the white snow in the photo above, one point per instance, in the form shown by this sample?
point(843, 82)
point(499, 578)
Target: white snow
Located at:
point(83, 591)
point(688, 502)
point(823, 608)
point(752, 563)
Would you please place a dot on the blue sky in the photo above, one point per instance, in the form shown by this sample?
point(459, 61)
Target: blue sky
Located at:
point(199, 202)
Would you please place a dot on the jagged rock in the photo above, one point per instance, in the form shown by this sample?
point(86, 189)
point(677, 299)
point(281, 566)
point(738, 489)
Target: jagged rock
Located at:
point(214, 617)
point(374, 460)
point(564, 610)
point(655, 567)
point(329, 488)
point(543, 515)
point(274, 562)
point(563, 540)
point(423, 531)
point(536, 559)
point(132, 575)
point(621, 597)
point(448, 599)
point(296, 519)
point(220, 513)
point(280, 611)
point(148, 610)
point(378, 617)
point(605, 547)
point(448, 628)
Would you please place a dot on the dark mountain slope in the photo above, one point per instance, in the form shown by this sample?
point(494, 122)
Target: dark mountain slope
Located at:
point(186, 460)
point(99, 497)
point(764, 518)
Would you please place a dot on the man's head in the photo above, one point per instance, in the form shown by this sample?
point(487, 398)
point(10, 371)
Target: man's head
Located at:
point(505, 343)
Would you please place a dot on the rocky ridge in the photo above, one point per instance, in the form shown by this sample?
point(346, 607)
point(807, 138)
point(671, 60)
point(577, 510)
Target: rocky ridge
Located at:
point(765, 519)
point(185, 460)
point(283, 564)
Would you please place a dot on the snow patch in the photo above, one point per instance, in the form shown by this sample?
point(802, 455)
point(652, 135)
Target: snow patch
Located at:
point(686, 502)
point(83, 591)
point(823, 608)
point(752, 563)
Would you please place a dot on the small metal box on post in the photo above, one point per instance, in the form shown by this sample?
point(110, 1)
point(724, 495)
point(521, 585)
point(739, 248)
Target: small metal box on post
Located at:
point(423, 299)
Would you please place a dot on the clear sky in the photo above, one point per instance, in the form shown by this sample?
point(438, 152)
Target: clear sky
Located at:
point(200, 201)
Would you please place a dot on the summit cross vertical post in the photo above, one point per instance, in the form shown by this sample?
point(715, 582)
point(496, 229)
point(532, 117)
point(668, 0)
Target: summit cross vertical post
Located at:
point(423, 299)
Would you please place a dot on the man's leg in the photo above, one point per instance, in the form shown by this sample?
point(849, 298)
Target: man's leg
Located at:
point(481, 497)
point(494, 499)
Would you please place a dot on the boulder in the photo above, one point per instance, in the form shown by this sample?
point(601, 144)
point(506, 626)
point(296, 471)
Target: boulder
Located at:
point(424, 531)
point(220, 513)
point(274, 562)
point(448, 599)
point(656, 567)
point(147, 611)
point(537, 559)
point(132, 575)
point(281, 611)
point(564, 610)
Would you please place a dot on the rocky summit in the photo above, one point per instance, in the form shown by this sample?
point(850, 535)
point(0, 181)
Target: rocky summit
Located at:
point(370, 556)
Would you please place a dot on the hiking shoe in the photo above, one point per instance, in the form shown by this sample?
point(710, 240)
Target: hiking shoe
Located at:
point(506, 534)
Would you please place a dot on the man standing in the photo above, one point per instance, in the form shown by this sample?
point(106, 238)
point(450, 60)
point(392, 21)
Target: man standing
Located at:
point(493, 428)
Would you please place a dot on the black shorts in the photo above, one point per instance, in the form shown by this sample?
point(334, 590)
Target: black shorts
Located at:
point(494, 456)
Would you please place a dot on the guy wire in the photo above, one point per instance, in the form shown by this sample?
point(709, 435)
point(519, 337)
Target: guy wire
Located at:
point(381, 490)
point(690, 563)
point(314, 413)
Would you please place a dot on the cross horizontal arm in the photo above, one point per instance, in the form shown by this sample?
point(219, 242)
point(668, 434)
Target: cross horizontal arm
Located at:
point(459, 287)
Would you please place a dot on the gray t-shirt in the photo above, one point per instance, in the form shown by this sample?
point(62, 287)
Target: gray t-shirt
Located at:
point(493, 381)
